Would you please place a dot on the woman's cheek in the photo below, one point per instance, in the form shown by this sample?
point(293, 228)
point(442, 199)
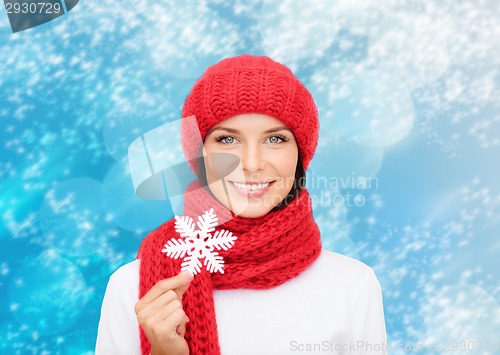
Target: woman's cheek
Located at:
point(285, 162)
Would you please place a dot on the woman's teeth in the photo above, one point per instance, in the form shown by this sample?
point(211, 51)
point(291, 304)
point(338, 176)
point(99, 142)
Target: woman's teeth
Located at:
point(252, 187)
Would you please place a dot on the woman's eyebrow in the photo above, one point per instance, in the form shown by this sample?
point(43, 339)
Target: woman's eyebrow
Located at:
point(227, 129)
point(235, 131)
point(277, 129)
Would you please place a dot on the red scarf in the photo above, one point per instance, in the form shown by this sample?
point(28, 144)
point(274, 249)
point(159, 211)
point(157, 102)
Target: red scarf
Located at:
point(269, 251)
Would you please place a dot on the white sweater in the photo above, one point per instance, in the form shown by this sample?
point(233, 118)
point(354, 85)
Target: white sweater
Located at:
point(333, 307)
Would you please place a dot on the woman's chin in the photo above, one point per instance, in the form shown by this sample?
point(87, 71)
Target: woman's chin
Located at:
point(250, 207)
point(251, 213)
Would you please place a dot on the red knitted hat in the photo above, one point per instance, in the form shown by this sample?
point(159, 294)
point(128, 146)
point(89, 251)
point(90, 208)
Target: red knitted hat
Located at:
point(251, 84)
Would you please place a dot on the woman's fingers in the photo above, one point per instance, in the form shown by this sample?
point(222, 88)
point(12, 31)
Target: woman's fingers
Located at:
point(168, 322)
point(177, 320)
point(152, 309)
point(188, 277)
point(180, 281)
point(164, 313)
point(181, 328)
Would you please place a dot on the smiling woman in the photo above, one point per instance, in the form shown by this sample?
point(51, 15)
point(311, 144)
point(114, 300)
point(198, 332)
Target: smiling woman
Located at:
point(278, 287)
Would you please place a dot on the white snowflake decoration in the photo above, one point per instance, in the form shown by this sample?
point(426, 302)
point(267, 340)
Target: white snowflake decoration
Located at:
point(199, 244)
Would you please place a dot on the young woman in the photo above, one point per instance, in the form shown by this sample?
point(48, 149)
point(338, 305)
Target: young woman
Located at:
point(280, 291)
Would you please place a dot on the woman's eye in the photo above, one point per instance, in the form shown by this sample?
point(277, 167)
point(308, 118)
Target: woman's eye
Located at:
point(276, 139)
point(226, 140)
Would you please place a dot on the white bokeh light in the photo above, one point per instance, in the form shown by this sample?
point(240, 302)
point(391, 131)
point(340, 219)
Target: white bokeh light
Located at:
point(294, 30)
point(370, 107)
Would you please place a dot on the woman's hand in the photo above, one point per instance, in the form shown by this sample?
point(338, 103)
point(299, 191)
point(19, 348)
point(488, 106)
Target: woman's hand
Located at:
point(161, 316)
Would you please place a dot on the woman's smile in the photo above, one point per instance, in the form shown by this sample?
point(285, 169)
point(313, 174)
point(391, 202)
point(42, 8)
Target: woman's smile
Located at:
point(251, 189)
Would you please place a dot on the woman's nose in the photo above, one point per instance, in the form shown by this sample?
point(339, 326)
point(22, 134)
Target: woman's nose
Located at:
point(252, 159)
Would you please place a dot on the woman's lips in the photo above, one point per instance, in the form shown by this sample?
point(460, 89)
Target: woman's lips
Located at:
point(251, 189)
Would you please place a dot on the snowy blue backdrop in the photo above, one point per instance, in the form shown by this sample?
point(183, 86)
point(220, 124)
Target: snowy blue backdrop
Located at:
point(406, 175)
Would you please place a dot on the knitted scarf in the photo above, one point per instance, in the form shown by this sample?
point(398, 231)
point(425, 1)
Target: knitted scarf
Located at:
point(269, 251)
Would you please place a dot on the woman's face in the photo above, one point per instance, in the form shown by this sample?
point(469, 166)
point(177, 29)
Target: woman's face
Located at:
point(268, 156)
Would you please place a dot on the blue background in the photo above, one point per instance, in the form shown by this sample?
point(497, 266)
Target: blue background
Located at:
point(408, 100)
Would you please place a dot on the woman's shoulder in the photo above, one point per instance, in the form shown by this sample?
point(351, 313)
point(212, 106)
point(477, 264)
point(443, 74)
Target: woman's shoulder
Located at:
point(342, 262)
point(128, 268)
point(339, 269)
point(126, 274)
